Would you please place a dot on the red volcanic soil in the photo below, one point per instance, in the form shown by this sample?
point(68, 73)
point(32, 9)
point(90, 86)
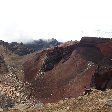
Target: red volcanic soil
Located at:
point(33, 65)
point(65, 71)
point(106, 48)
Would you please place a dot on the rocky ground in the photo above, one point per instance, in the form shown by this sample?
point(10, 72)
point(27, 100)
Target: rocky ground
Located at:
point(97, 101)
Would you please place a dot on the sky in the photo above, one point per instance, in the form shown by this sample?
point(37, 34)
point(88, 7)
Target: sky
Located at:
point(64, 20)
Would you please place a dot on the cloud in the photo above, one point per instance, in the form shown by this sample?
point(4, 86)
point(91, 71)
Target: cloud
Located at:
point(64, 20)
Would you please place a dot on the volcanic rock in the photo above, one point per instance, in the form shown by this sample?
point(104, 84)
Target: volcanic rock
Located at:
point(61, 72)
point(66, 70)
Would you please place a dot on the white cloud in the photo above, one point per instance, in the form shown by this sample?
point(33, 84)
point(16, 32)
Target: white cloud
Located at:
point(60, 19)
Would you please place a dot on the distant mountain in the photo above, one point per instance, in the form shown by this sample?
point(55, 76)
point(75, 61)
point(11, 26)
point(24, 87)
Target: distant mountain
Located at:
point(24, 49)
point(17, 48)
point(42, 44)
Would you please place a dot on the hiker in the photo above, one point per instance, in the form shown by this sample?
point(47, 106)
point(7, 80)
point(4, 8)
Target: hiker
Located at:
point(87, 91)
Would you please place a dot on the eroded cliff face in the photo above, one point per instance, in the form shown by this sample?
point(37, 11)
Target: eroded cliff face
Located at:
point(66, 70)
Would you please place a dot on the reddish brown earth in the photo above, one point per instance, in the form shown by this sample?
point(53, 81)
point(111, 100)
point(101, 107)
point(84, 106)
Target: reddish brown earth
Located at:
point(106, 48)
point(66, 70)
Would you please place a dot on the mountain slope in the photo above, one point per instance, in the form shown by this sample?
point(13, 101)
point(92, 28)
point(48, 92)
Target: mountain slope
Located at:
point(65, 71)
point(56, 73)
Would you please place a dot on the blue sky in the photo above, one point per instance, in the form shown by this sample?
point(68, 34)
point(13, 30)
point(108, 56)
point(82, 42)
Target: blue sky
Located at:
point(23, 20)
